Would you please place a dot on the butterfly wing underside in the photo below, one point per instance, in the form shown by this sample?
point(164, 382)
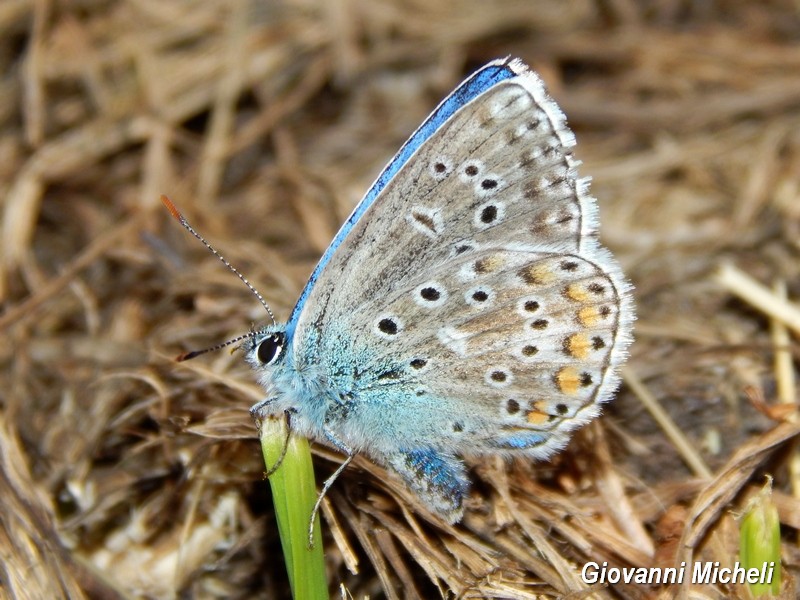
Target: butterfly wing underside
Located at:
point(469, 309)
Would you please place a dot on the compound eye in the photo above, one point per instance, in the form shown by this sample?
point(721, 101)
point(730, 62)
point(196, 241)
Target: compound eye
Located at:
point(270, 349)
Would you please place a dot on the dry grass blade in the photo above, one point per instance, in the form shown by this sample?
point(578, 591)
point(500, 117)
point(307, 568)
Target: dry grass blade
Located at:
point(36, 563)
point(730, 480)
point(760, 296)
point(29, 307)
point(672, 431)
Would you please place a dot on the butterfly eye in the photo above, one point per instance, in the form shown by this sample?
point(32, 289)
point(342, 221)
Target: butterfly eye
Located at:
point(270, 349)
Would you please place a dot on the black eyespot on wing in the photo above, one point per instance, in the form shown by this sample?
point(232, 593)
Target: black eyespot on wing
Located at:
point(489, 214)
point(418, 363)
point(270, 348)
point(388, 326)
point(569, 265)
point(431, 294)
point(531, 305)
point(597, 288)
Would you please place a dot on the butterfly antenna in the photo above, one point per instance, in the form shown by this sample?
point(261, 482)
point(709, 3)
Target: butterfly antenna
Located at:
point(195, 353)
point(182, 220)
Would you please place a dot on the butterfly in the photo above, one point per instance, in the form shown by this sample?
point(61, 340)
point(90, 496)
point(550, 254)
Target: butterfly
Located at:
point(465, 308)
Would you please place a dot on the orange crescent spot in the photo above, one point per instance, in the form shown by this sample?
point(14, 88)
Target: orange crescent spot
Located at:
point(568, 380)
point(588, 316)
point(578, 345)
point(535, 417)
point(576, 292)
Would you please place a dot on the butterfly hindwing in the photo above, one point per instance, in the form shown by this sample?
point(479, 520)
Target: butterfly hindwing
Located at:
point(524, 350)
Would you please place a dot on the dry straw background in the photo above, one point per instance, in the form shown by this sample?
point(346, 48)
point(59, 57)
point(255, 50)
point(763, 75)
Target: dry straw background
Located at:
point(126, 475)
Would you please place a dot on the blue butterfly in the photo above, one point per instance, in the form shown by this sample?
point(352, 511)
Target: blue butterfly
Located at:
point(465, 308)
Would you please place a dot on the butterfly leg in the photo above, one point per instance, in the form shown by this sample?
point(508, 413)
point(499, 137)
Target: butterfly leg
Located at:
point(439, 479)
point(325, 487)
point(342, 447)
point(260, 410)
point(284, 448)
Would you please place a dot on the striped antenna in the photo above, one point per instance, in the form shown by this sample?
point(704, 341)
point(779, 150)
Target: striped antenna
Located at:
point(182, 220)
point(196, 353)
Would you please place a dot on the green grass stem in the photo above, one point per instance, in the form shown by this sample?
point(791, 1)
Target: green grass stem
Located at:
point(294, 492)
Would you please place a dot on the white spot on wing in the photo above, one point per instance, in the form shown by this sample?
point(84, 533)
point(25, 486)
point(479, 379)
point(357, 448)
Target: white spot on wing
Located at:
point(510, 102)
point(453, 339)
point(467, 272)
